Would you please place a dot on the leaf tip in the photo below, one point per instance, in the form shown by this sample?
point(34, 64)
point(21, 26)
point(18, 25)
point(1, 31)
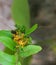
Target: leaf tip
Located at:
point(40, 48)
point(36, 25)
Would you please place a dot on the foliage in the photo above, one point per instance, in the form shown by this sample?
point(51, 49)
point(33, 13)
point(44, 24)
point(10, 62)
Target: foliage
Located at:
point(18, 41)
point(24, 52)
point(20, 12)
point(30, 50)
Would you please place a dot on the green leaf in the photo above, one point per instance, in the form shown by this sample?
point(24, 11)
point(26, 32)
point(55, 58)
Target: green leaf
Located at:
point(8, 51)
point(20, 12)
point(5, 33)
point(31, 29)
point(7, 59)
point(30, 50)
point(6, 63)
point(26, 61)
point(8, 42)
point(19, 63)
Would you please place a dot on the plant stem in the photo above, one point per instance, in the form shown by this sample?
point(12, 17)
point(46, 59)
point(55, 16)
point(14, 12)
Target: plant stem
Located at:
point(16, 54)
point(18, 57)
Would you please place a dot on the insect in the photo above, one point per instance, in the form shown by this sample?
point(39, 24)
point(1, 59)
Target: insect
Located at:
point(18, 35)
point(19, 38)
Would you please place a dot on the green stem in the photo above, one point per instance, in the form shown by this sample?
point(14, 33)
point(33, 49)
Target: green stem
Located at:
point(16, 54)
point(18, 57)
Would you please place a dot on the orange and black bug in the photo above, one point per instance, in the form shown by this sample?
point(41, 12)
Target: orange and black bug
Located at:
point(19, 38)
point(18, 35)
